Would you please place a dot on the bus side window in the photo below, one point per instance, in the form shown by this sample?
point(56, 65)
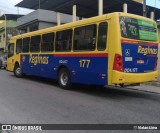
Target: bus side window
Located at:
point(64, 41)
point(18, 46)
point(85, 38)
point(26, 42)
point(47, 42)
point(35, 43)
point(10, 50)
point(102, 36)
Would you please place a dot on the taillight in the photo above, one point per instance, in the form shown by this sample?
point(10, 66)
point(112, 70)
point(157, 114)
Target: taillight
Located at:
point(156, 64)
point(118, 63)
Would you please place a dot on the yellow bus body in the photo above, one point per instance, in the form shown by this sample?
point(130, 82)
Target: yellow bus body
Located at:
point(113, 47)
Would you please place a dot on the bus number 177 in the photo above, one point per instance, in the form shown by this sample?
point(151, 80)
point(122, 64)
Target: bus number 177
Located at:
point(84, 63)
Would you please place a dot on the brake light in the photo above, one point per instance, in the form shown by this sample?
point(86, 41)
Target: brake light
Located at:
point(118, 63)
point(156, 64)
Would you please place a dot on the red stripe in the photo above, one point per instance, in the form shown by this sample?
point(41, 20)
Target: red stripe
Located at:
point(148, 44)
point(81, 55)
point(151, 55)
point(129, 41)
point(139, 43)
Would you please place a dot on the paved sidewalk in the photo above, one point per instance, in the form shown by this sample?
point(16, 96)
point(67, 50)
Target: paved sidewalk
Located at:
point(156, 83)
point(148, 88)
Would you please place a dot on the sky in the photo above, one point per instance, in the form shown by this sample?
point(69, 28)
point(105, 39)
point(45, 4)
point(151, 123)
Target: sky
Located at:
point(154, 3)
point(8, 6)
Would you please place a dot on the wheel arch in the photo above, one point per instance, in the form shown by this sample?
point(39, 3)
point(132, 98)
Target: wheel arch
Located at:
point(60, 71)
point(61, 67)
point(16, 64)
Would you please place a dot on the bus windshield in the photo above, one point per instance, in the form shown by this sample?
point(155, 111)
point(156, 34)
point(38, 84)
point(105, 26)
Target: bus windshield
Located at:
point(138, 29)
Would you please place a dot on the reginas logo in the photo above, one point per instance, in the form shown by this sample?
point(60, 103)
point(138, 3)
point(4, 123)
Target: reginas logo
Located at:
point(38, 60)
point(147, 50)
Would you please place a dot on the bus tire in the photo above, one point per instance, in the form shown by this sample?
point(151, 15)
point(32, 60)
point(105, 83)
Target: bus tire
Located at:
point(64, 78)
point(17, 71)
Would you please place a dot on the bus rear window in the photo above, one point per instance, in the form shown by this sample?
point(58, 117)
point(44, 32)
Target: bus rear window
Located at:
point(138, 29)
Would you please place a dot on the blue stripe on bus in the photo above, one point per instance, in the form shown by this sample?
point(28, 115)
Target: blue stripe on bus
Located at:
point(140, 59)
point(93, 72)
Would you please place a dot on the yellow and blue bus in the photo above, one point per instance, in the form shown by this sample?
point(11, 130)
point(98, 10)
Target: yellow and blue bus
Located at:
point(112, 49)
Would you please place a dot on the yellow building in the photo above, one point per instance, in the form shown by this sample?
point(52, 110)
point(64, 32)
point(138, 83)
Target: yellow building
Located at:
point(4, 37)
point(1, 21)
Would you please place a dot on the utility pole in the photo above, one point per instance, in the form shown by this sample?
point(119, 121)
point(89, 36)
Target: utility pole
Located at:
point(144, 8)
point(39, 6)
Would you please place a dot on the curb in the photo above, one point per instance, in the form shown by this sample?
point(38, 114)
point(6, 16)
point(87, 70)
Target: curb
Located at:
point(156, 83)
point(147, 88)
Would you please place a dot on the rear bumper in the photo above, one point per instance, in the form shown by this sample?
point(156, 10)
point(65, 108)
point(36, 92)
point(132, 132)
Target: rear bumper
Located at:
point(130, 78)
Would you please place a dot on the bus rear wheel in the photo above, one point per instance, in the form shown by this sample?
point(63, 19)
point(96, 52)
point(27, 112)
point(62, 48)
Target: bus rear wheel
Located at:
point(64, 79)
point(17, 71)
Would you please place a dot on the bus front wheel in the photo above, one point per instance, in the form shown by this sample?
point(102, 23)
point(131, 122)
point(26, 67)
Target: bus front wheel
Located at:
point(64, 78)
point(17, 71)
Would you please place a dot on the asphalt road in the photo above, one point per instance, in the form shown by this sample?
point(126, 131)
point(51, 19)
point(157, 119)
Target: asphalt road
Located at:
point(33, 100)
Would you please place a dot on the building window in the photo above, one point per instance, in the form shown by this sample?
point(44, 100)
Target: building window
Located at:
point(47, 42)
point(85, 38)
point(34, 28)
point(64, 41)
point(35, 43)
point(19, 46)
point(26, 42)
point(102, 36)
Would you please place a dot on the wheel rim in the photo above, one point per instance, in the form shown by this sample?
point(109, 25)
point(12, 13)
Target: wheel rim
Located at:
point(18, 71)
point(64, 79)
